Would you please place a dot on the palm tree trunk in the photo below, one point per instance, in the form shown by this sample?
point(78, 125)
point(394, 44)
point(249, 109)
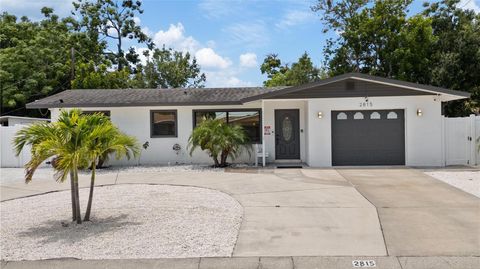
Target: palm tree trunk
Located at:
point(77, 199)
point(215, 161)
point(90, 195)
point(223, 160)
point(72, 190)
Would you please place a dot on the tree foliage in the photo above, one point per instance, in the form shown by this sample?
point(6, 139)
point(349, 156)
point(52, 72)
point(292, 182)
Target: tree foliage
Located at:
point(92, 76)
point(219, 139)
point(169, 69)
point(113, 20)
point(440, 46)
point(33, 58)
point(300, 72)
point(36, 58)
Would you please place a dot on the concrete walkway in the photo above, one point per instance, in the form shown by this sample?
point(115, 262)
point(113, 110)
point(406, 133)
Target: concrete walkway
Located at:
point(318, 212)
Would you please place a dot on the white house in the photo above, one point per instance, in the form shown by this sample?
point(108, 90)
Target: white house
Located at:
point(351, 119)
point(14, 120)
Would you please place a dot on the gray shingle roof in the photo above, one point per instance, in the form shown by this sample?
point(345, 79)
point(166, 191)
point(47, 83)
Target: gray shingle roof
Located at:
point(208, 96)
point(153, 97)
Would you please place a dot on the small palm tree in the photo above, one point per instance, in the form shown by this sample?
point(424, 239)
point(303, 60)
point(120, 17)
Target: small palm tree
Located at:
point(106, 138)
point(219, 139)
point(65, 140)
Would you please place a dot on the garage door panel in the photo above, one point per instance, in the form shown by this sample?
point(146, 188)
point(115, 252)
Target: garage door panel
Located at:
point(368, 137)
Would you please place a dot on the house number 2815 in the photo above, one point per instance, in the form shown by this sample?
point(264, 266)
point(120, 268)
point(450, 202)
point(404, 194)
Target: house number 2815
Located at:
point(366, 104)
point(364, 263)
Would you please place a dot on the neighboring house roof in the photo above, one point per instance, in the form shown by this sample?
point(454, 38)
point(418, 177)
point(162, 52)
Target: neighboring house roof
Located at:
point(338, 86)
point(8, 120)
point(23, 118)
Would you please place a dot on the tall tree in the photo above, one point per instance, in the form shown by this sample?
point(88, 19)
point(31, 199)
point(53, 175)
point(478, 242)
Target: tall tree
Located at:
point(92, 76)
point(35, 57)
point(169, 69)
point(456, 53)
point(113, 20)
point(439, 46)
point(300, 72)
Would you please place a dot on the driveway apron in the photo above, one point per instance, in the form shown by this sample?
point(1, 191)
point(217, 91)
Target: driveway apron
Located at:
point(306, 214)
point(420, 216)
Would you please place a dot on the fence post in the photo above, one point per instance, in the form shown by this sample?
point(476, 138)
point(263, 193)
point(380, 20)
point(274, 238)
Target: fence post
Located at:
point(473, 139)
point(443, 141)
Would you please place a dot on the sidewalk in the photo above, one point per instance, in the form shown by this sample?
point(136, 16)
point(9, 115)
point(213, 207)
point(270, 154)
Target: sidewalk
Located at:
point(255, 263)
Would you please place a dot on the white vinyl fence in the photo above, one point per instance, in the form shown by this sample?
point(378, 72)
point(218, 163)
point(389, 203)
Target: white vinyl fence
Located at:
point(8, 158)
point(461, 140)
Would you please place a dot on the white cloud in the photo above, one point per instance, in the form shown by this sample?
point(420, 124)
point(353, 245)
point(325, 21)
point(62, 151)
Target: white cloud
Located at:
point(137, 20)
point(219, 69)
point(175, 38)
point(211, 44)
point(224, 78)
point(296, 17)
point(141, 56)
point(469, 4)
point(218, 8)
point(147, 31)
point(207, 57)
point(250, 34)
point(248, 59)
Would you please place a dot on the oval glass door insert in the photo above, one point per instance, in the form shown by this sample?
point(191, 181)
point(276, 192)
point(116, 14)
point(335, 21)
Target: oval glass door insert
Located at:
point(287, 129)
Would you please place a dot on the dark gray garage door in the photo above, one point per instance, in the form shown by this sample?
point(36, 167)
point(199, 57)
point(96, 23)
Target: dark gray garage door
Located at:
point(368, 137)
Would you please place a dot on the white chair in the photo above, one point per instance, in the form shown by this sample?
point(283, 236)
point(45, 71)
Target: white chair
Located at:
point(259, 153)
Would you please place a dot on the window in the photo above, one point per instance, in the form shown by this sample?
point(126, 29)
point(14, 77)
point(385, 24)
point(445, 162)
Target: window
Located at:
point(358, 116)
point(163, 123)
point(104, 112)
point(200, 116)
point(392, 115)
point(248, 119)
point(341, 116)
point(375, 116)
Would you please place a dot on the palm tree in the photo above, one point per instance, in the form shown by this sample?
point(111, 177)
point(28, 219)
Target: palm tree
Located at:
point(219, 139)
point(106, 138)
point(65, 140)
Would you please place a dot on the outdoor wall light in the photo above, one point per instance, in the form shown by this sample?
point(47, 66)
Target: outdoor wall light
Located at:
point(419, 112)
point(320, 114)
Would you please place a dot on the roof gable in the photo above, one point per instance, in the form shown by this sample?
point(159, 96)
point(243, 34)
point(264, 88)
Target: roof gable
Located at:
point(358, 85)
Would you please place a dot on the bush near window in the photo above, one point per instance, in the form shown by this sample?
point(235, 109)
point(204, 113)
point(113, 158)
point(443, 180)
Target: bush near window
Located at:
point(220, 140)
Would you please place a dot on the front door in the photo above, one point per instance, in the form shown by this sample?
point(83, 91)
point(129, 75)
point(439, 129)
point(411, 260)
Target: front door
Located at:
point(287, 134)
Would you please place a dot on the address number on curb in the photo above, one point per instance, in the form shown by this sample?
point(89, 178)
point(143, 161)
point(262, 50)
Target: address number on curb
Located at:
point(364, 263)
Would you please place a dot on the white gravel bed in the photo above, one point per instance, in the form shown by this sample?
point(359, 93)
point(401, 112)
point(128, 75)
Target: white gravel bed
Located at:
point(468, 181)
point(162, 168)
point(128, 221)
point(9, 175)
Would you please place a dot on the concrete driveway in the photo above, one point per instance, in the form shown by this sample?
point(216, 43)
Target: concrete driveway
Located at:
point(325, 212)
point(420, 216)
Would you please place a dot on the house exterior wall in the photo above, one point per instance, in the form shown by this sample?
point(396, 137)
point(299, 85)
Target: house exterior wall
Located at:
point(423, 135)
point(135, 121)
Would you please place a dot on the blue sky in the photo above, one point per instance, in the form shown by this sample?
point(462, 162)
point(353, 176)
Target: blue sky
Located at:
point(229, 38)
